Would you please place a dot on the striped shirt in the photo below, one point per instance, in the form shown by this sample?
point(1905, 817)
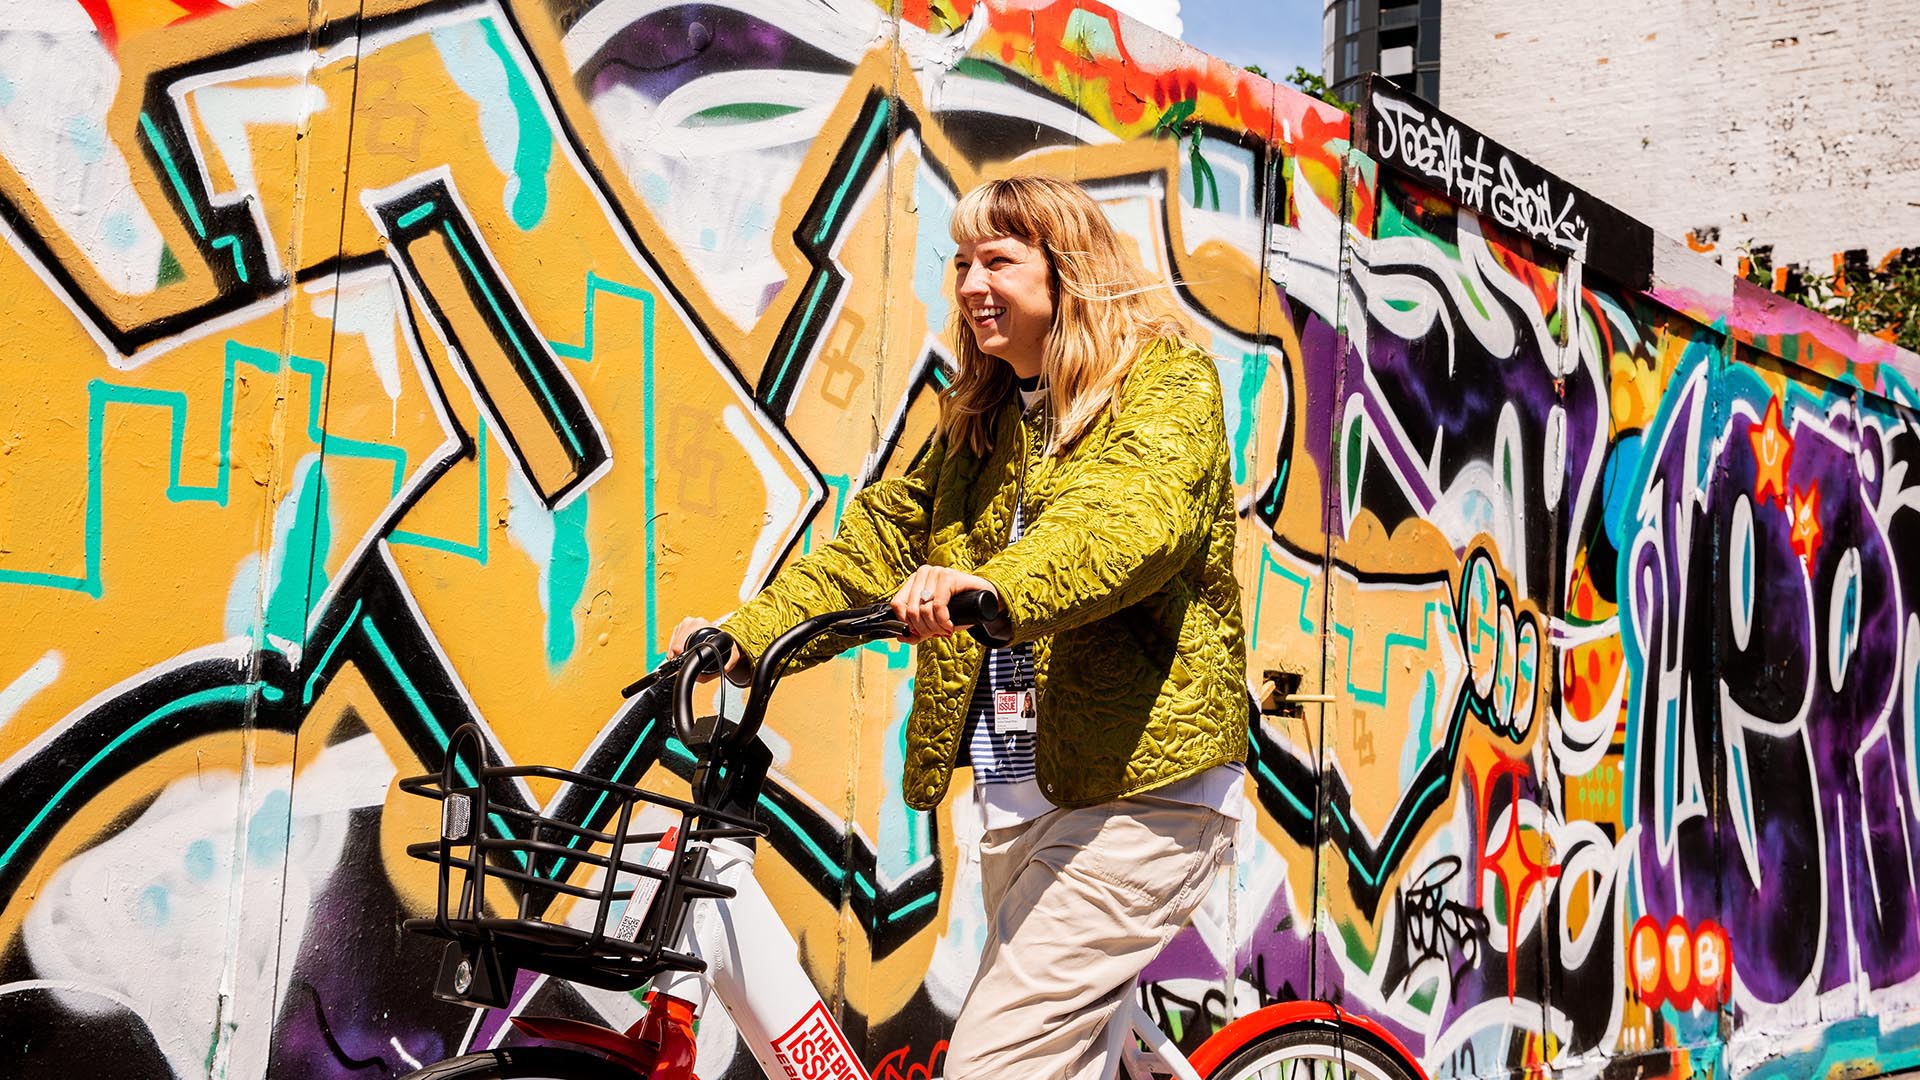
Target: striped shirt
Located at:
point(1000, 758)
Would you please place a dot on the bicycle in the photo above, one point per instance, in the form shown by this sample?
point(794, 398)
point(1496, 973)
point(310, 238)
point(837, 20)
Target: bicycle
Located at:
point(688, 920)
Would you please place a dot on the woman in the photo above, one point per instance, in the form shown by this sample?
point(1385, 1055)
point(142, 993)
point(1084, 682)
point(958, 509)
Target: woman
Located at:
point(1079, 472)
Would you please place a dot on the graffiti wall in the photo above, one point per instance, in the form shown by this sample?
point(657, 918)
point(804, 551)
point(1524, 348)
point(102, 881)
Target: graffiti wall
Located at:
point(376, 366)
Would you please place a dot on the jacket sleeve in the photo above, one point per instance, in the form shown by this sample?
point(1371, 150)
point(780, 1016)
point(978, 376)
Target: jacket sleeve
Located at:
point(882, 538)
point(1131, 517)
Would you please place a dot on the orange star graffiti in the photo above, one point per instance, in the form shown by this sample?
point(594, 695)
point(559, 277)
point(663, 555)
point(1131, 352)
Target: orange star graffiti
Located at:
point(1772, 453)
point(1516, 864)
point(1805, 515)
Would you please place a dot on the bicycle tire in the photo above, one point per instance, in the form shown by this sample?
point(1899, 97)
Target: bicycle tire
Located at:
point(1276, 1055)
point(525, 1063)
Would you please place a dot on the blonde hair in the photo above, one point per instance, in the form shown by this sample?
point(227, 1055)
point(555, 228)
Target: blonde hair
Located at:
point(1105, 311)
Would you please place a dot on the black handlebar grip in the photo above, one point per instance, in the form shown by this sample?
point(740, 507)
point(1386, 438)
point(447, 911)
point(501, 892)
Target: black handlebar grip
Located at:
point(705, 633)
point(662, 677)
point(974, 607)
point(979, 610)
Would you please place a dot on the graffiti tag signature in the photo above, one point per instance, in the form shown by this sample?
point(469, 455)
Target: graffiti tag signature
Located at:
point(1437, 149)
point(1436, 928)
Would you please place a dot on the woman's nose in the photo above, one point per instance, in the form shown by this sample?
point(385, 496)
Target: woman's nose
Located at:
point(972, 283)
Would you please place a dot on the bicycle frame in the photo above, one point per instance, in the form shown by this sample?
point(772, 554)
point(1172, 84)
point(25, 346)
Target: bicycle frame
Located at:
point(754, 972)
point(753, 968)
point(695, 920)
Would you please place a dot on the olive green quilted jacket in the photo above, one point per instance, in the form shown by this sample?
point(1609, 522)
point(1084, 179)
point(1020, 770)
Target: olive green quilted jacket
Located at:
point(1122, 579)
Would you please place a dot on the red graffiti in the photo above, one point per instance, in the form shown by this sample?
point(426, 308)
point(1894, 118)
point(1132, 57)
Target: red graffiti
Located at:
point(1679, 965)
point(898, 1066)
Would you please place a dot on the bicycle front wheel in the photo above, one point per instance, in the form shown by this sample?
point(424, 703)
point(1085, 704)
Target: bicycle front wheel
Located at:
point(1311, 1051)
point(525, 1063)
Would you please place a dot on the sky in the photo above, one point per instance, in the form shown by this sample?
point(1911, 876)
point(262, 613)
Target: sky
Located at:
point(1275, 35)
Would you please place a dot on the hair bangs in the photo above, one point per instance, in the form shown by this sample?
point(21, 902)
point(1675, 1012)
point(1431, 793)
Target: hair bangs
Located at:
point(994, 209)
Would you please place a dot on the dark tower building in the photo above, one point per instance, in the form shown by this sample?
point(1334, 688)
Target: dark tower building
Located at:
point(1398, 38)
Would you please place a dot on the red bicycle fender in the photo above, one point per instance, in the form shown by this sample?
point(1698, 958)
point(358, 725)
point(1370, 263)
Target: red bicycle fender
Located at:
point(1228, 1041)
point(622, 1049)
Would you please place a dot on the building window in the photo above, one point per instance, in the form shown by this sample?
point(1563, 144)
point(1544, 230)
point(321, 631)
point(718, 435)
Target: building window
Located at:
point(1428, 83)
point(1353, 16)
point(1351, 65)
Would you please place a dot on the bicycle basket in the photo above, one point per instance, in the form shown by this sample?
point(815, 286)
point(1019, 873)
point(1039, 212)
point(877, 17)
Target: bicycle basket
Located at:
point(630, 888)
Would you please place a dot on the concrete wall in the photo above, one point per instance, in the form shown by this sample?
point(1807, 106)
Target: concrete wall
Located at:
point(367, 372)
point(1741, 122)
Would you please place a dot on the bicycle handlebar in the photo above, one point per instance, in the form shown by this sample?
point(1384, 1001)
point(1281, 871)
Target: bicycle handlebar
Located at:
point(730, 767)
point(672, 683)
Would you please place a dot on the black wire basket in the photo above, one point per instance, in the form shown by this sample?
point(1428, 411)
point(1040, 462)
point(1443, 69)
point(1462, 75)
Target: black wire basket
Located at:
point(482, 839)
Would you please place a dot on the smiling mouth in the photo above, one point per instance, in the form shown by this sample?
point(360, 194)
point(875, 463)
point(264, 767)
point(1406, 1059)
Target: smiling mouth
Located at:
point(987, 314)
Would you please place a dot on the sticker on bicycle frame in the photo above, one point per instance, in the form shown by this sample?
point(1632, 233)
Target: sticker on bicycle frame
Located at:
point(814, 1049)
point(628, 928)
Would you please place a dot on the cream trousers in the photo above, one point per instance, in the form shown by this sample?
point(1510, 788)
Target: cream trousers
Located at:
point(1079, 902)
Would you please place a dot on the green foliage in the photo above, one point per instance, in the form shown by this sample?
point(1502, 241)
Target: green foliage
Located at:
point(1314, 84)
point(1883, 301)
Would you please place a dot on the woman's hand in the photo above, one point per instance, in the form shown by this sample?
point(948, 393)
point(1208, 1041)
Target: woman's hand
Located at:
point(922, 601)
point(738, 671)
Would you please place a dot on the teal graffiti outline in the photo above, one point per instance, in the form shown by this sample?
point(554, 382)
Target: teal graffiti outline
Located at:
point(1268, 562)
point(102, 393)
point(586, 352)
point(533, 155)
point(1433, 609)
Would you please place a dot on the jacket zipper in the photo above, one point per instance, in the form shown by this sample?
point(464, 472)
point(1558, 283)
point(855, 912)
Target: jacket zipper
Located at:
point(1019, 502)
point(1020, 509)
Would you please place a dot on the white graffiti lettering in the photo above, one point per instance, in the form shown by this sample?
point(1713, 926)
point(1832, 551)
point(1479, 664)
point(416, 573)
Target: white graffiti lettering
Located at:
point(1432, 146)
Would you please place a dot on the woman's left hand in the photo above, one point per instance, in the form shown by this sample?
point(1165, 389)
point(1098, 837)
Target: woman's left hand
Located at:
point(921, 602)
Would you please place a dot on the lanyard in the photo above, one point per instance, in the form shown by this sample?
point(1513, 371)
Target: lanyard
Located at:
point(1020, 481)
point(1022, 667)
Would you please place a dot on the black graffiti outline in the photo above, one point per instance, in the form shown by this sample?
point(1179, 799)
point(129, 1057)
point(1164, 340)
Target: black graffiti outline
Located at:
point(1433, 927)
point(569, 418)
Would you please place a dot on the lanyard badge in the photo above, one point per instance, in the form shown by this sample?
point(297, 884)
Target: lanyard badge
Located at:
point(1013, 706)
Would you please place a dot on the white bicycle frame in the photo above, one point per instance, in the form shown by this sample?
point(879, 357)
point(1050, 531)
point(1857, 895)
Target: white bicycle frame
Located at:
point(753, 968)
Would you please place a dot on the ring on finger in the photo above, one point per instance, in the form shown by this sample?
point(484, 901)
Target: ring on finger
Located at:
point(926, 597)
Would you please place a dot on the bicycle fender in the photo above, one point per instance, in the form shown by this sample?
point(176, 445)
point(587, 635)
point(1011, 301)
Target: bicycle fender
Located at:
point(1223, 1044)
point(624, 1049)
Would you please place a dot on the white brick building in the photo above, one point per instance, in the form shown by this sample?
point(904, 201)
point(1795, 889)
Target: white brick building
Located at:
point(1789, 123)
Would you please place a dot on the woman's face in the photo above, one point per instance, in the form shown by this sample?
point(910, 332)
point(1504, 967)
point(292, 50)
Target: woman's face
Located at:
point(1001, 286)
